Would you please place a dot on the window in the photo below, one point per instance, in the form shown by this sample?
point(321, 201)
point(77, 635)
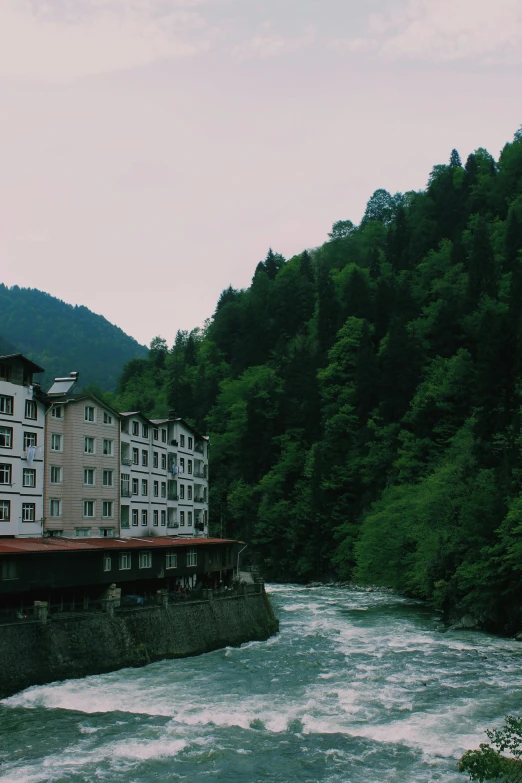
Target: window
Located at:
point(135, 456)
point(189, 515)
point(107, 447)
point(144, 517)
point(163, 489)
point(182, 441)
point(57, 411)
point(182, 519)
point(88, 446)
point(192, 557)
point(29, 439)
point(6, 405)
point(145, 559)
point(182, 492)
point(107, 478)
point(134, 517)
point(5, 510)
point(155, 490)
point(189, 466)
point(125, 561)
point(190, 442)
point(29, 477)
point(6, 437)
point(135, 428)
point(89, 413)
point(155, 433)
point(135, 486)
point(164, 462)
point(163, 436)
point(30, 409)
point(144, 458)
point(107, 532)
point(163, 518)
point(28, 512)
point(5, 372)
point(171, 559)
point(124, 516)
point(107, 562)
point(107, 509)
point(144, 487)
point(56, 442)
point(155, 517)
point(189, 492)
point(55, 507)
point(82, 532)
point(89, 509)
point(181, 465)
point(155, 457)
point(107, 418)
point(144, 431)
point(89, 477)
point(125, 485)
point(9, 570)
point(5, 474)
point(56, 474)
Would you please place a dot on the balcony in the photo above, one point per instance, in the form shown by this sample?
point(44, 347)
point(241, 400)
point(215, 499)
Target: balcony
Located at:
point(199, 500)
point(198, 473)
point(125, 492)
point(126, 461)
point(200, 448)
point(172, 496)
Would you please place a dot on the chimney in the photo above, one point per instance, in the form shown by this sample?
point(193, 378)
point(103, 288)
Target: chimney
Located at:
point(172, 415)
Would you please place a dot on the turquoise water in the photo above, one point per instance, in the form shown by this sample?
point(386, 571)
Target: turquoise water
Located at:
point(357, 687)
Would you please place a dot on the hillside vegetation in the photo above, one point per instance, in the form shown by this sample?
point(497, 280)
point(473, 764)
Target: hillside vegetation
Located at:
point(61, 338)
point(364, 398)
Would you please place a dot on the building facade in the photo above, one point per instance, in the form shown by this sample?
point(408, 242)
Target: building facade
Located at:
point(82, 464)
point(22, 433)
point(164, 477)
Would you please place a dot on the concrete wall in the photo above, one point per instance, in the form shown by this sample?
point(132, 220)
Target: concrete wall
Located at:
point(33, 653)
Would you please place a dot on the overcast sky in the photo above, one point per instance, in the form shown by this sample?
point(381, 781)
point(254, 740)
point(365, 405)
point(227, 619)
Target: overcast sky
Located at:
point(153, 150)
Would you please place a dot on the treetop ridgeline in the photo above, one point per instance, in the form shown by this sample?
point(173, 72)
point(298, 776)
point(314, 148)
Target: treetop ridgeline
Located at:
point(364, 398)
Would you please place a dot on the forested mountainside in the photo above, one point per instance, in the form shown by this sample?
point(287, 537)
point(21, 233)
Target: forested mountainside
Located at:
point(61, 338)
point(364, 399)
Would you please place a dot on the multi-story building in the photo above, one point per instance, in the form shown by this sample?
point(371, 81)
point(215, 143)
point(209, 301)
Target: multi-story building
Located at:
point(22, 428)
point(82, 463)
point(164, 477)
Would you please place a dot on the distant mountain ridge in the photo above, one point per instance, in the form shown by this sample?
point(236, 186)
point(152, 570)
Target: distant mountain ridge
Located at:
point(63, 337)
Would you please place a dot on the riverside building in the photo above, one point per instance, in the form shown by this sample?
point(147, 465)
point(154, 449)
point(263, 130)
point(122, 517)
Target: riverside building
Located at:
point(82, 453)
point(164, 477)
point(22, 428)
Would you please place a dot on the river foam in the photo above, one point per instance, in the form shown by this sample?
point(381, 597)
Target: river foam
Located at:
point(355, 684)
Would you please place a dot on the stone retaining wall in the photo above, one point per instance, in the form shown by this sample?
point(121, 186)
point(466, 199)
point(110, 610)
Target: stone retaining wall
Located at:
point(34, 653)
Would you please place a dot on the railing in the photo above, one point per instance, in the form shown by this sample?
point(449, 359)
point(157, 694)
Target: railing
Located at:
point(200, 500)
point(126, 461)
point(198, 473)
point(199, 448)
point(125, 492)
point(172, 496)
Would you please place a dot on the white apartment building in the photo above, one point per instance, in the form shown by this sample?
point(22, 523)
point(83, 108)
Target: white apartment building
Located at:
point(164, 477)
point(22, 433)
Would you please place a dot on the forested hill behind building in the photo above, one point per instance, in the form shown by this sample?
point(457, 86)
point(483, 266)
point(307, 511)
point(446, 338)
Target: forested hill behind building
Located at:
point(61, 337)
point(363, 399)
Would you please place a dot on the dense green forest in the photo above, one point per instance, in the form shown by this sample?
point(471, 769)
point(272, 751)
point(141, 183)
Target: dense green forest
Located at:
point(61, 338)
point(363, 398)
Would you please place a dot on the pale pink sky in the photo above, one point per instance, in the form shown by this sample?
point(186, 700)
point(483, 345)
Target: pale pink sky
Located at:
point(152, 150)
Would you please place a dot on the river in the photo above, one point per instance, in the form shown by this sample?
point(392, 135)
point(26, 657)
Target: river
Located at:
point(358, 686)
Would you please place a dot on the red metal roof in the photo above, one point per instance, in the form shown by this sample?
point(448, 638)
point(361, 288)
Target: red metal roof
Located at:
point(59, 544)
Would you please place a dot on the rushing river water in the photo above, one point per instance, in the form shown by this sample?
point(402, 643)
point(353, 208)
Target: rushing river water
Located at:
point(357, 687)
